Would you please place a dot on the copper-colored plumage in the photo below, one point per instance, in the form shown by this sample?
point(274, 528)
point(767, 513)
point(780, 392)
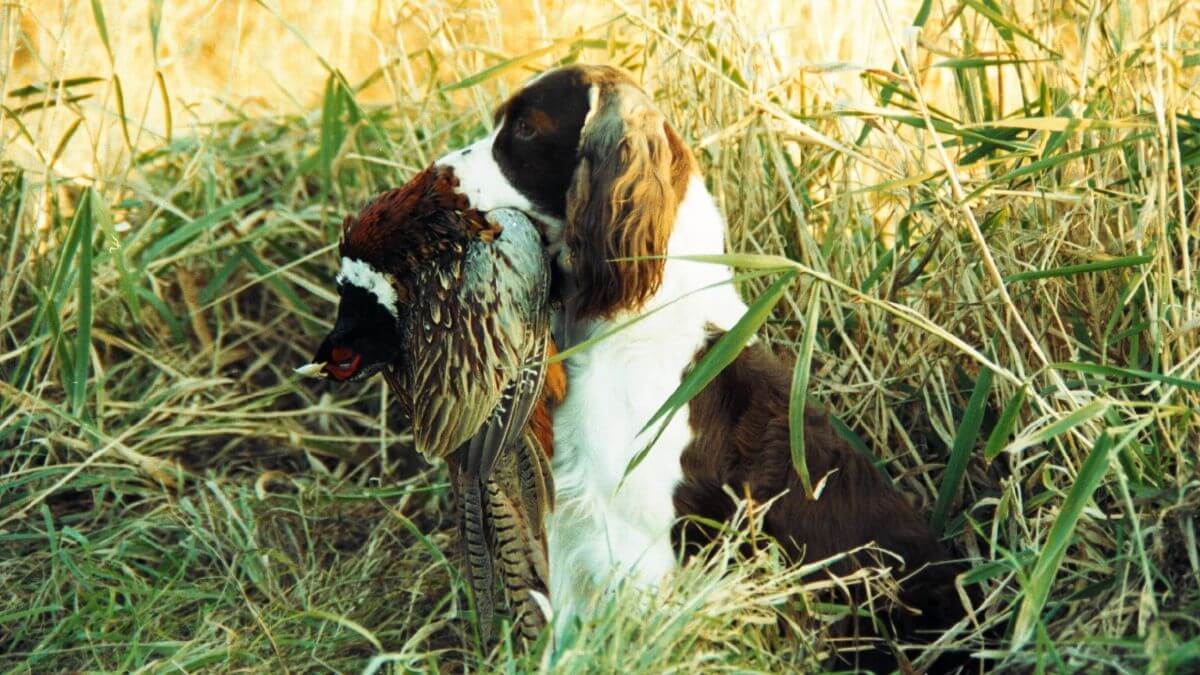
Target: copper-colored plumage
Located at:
point(553, 393)
point(473, 313)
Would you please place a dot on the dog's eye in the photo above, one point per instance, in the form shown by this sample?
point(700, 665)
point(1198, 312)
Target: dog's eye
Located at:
point(524, 130)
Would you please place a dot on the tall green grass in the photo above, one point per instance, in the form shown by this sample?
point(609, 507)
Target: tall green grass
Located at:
point(1006, 267)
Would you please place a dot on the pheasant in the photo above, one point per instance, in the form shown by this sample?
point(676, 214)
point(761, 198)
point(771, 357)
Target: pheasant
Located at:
point(452, 307)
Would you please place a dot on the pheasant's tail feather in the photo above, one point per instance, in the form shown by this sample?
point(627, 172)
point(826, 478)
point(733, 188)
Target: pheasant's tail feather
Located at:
point(478, 558)
point(521, 559)
point(536, 481)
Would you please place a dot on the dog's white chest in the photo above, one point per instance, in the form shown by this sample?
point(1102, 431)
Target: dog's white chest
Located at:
point(604, 529)
point(598, 533)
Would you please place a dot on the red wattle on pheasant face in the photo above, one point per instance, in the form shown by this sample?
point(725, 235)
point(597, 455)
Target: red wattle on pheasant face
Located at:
point(345, 363)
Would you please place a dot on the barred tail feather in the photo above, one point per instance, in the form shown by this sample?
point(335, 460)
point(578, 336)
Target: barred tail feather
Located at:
point(480, 573)
point(537, 483)
point(521, 559)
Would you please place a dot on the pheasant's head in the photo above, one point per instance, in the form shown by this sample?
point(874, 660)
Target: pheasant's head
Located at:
point(366, 335)
point(397, 234)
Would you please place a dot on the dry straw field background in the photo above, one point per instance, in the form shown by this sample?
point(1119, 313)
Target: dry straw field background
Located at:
point(993, 203)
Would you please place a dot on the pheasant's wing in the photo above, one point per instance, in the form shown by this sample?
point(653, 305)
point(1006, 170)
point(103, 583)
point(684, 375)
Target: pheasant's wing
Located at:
point(449, 382)
point(479, 346)
point(511, 278)
point(504, 428)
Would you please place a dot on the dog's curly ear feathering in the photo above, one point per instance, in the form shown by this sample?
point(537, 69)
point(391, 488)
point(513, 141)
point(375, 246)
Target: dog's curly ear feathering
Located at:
point(623, 200)
point(586, 151)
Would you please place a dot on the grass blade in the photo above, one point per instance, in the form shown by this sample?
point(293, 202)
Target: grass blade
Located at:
point(218, 280)
point(50, 309)
point(1046, 567)
point(1071, 270)
point(1087, 412)
point(964, 441)
point(724, 351)
point(48, 103)
point(1114, 371)
point(183, 234)
point(799, 392)
point(62, 143)
point(857, 444)
point(120, 100)
point(575, 41)
point(746, 261)
point(102, 27)
point(985, 62)
point(116, 252)
point(1004, 426)
point(83, 330)
point(333, 127)
point(43, 87)
point(1004, 24)
point(166, 103)
point(890, 88)
point(156, 7)
point(1043, 166)
point(268, 276)
point(590, 342)
point(346, 623)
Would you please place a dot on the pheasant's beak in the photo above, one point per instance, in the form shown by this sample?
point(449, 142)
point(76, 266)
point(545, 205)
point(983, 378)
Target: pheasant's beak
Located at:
point(315, 370)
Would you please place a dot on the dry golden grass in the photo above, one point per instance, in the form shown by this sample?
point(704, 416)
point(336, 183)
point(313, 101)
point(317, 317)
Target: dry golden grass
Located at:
point(272, 58)
point(173, 499)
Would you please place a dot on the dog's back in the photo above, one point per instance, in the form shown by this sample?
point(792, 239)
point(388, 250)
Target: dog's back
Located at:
point(741, 440)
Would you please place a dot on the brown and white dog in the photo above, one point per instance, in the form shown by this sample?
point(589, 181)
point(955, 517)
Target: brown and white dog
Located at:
point(585, 150)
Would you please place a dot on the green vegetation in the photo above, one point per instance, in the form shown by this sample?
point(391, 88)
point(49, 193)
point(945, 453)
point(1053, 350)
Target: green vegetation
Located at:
point(1000, 253)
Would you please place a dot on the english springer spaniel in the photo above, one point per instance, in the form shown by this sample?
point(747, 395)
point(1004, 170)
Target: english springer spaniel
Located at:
point(586, 151)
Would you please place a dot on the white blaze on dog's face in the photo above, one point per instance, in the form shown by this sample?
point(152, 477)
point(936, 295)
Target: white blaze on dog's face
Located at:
point(527, 161)
point(585, 151)
point(481, 179)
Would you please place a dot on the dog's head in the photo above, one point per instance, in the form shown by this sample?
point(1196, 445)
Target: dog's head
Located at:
point(585, 150)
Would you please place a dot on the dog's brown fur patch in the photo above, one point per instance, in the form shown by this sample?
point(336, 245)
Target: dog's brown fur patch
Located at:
point(740, 423)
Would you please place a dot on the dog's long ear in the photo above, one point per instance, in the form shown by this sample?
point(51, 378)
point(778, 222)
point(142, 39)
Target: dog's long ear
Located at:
point(622, 202)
